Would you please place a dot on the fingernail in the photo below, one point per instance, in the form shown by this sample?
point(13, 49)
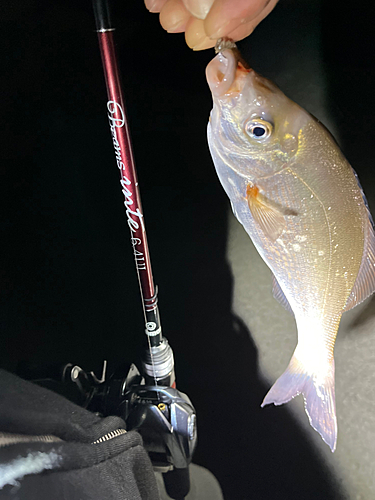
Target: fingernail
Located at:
point(197, 42)
point(174, 16)
point(194, 33)
point(198, 8)
point(206, 43)
point(178, 27)
point(150, 6)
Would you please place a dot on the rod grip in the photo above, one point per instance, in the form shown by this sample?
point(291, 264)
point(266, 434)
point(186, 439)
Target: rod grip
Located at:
point(177, 483)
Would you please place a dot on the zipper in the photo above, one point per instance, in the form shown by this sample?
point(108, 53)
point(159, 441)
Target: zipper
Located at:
point(8, 439)
point(110, 435)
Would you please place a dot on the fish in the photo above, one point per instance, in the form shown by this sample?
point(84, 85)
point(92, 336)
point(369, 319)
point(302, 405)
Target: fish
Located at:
point(305, 211)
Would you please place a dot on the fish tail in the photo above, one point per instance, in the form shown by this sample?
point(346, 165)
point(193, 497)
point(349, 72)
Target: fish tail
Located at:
point(318, 392)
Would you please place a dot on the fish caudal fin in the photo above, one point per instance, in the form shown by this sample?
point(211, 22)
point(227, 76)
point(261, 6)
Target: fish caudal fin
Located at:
point(318, 392)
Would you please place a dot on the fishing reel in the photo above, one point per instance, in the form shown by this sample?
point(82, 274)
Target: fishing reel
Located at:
point(164, 416)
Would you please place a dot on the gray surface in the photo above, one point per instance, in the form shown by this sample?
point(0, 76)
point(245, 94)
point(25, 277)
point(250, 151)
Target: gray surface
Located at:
point(203, 485)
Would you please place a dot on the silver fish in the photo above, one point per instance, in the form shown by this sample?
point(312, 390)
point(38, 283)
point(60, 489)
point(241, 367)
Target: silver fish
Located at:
point(303, 207)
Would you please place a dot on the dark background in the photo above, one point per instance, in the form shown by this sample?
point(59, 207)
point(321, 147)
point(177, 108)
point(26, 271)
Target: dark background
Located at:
point(68, 282)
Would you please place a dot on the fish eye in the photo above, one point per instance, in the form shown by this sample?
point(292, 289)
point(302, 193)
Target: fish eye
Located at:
point(258, 129)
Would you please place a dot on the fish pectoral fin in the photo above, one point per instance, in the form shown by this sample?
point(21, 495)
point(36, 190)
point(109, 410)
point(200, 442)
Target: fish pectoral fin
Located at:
point(319, 395)
point(266, 213)
point(279, 295)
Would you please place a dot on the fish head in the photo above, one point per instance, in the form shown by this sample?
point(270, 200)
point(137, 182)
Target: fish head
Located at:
point(254, 128)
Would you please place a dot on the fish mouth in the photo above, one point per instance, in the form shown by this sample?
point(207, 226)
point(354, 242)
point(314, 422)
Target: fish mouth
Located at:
point(221, 72)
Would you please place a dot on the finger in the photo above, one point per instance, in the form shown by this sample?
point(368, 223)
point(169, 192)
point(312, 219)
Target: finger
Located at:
point(195, 35)
point(226, 15)
point(154, 5)
point(198, 8)
point(173, 16)
point(242, 31)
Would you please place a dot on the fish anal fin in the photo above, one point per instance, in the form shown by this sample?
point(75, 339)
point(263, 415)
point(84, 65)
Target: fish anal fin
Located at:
point(267, 214)
point(279, 295)
point(319, 395)
point(364, 285)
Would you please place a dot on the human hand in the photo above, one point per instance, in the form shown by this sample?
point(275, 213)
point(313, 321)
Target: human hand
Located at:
point(204, 21)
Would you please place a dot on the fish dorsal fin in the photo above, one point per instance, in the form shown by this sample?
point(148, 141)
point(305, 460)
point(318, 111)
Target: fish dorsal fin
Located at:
point(364, 199)
point(365, 282)
point(279, 295)
point(266, 213)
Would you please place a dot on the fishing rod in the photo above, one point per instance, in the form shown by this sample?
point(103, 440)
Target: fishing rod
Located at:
point(147, 400)
point(159, 364)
